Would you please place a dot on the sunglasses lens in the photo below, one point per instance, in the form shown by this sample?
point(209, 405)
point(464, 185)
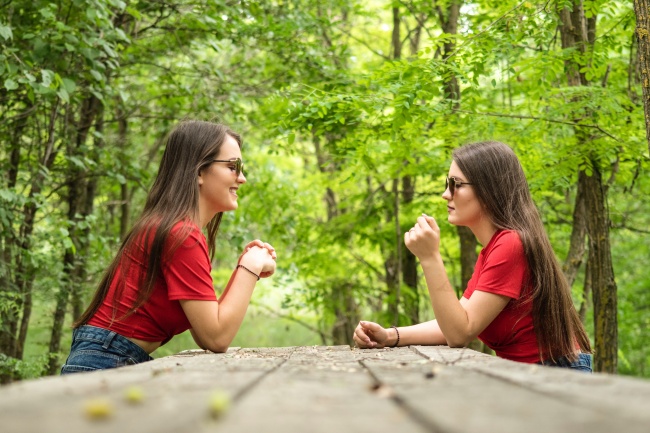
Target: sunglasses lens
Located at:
point(451, 184)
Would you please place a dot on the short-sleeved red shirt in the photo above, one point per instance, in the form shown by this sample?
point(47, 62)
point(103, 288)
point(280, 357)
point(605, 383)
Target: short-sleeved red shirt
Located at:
point(185, 275)
point(502, 269)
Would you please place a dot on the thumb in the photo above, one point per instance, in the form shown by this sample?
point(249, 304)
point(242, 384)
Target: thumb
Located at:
point(370, 326)
point(430, 220)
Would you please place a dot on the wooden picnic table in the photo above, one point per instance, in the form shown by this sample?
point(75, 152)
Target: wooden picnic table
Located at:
point(332, 389)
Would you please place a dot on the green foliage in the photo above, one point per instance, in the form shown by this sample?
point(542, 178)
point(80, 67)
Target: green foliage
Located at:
point(330, 121)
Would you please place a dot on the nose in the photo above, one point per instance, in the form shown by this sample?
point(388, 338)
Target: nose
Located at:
point(447, 195)
point(241, 178)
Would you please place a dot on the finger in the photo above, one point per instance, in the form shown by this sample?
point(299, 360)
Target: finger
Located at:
point(370, 326)
point(359, 342)
point(431, 221)
point(422, 224)
point(361, 334)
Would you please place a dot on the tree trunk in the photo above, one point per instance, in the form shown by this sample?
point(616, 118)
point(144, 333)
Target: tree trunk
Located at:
point(468, 243)
point(125, 197)
point(344, 305)
point(586, 294)
point(578, 234)
point(411, 300)
point(24, 271)
point(578, 32)
point(8, 286)
point(394, 262)
point(642, 10)
point(396, 41)
point(346, 313)
point(77, 185)
point(601, 272)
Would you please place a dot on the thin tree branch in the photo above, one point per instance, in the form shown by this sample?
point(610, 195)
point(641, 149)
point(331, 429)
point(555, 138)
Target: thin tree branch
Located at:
point(493, 23)
point(544, 119)
point(632, 229)
point(366, 45)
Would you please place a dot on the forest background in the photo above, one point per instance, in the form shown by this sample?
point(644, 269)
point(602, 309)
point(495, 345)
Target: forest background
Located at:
point(349, 112)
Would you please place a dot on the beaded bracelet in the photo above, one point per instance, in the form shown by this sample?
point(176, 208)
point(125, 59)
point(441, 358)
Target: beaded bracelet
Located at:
point(397, 342)
point(244, 267)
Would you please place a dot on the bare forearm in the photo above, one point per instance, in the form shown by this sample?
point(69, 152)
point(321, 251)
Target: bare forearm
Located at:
point(424, 334)
point(450, 315)
point(233, 305)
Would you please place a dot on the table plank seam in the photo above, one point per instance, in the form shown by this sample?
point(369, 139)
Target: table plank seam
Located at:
point(415, 415)
point(252, 384)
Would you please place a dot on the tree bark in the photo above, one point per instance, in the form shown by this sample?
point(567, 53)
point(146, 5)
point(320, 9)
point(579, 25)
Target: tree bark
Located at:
point(642, 31)
point(23, 273)
point(468, 256)
point(601, 272)
point(411, 300)
point(344, 306)
point(576, 253)
point(8, 318)
point(586, 293)
point(77, 184)
point(578, 32)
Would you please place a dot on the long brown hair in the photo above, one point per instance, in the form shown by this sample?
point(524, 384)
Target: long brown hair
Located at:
point(501, 187)
point(174, 197)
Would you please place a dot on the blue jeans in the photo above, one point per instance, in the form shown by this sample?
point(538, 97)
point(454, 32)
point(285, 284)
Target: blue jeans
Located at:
point(98, 349)
point(583, 363)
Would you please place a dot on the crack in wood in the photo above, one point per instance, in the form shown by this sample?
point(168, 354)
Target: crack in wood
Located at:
point(389, 392)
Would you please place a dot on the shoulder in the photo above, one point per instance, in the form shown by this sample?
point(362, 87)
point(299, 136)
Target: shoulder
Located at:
point(506, 242)
point(186, 234)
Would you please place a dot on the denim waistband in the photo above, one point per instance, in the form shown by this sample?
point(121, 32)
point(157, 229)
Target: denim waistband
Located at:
point(582, 362)
point(112, 339)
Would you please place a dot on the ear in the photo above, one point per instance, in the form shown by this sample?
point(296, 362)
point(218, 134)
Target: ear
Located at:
point(200, 178)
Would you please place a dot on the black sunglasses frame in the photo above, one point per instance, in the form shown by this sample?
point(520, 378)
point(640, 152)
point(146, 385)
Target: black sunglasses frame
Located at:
point(239, 165)
point(456, 183)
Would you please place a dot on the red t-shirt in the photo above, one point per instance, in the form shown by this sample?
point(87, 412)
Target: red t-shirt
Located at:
point(502, 269)
point(185, 275)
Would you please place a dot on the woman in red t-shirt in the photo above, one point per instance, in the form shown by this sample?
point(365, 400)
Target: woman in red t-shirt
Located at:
point(159, 283)
point(518, 301)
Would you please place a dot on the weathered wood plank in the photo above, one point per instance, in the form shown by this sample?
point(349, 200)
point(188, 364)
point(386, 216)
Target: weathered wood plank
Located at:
point(620, 397)
point(452, 394)
point(314, 389)
point(319, 389)
point(176, 394)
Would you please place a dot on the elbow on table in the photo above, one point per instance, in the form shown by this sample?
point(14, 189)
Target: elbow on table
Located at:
point(459, 342)
point(457, 345)
point(218, 348)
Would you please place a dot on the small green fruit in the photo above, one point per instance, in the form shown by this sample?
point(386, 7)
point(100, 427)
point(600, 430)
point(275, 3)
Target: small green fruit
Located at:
point(219, 404)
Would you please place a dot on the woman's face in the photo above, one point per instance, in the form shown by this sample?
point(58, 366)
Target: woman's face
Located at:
point(463, 208)
point(219, 182)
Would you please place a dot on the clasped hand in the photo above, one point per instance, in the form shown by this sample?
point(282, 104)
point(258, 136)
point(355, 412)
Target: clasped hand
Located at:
point(260, 256)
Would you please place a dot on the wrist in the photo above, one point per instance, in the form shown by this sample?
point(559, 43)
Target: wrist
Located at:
point(250, 264)
point(256, 275)
point(431, 260)
point(393, 337)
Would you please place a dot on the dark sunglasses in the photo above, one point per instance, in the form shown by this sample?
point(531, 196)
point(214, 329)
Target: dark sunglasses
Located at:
point(455, 183)
point(237, 163)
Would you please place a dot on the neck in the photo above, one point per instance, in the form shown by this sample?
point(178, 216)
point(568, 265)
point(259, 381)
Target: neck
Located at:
point(484, 232)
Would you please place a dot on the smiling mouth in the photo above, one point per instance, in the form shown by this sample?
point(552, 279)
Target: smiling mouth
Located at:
point(233, 191)
point(449, 208)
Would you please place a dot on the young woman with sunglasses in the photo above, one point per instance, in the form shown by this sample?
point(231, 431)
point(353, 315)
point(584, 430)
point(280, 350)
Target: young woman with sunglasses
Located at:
point(159, 283)
point(518, 301)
